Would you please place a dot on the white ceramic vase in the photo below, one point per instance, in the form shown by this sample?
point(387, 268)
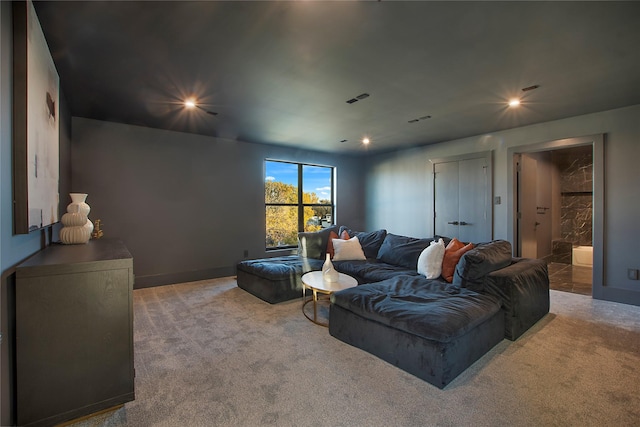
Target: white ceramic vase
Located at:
point(329, 274)
point(78, 203)
point(77, 226)
point(74, 235)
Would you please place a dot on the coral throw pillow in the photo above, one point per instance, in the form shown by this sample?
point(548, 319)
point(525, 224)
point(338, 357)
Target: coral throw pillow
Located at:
point(452, 254)
point(333, 235)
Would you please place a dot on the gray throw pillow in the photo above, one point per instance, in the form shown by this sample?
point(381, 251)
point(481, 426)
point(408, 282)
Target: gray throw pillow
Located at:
point(314, 244)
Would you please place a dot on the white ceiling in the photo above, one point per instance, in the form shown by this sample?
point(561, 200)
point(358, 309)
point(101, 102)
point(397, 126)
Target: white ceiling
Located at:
point(281, 72)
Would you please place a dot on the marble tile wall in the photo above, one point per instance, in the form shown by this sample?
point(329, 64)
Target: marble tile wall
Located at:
point(576, 187)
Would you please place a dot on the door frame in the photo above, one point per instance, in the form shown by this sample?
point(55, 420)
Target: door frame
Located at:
point(520, 222)
point(488, 157)
point(597, 142)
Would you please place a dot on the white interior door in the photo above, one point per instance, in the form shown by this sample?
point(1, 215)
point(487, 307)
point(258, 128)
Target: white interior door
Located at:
point(446, 192)
point(462, 199)
point(474, 213)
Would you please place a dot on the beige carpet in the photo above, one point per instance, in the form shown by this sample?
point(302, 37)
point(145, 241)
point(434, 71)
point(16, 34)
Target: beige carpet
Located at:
point(209, 354)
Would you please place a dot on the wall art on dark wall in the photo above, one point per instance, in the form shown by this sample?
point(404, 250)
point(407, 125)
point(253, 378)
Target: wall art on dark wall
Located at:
point(36, 168)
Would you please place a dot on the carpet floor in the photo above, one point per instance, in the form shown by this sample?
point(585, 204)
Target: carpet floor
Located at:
point(210, 354)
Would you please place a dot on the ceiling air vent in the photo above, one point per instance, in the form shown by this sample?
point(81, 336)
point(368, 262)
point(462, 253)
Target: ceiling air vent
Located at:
point(418, 119)
point(358, 98)
point(528, 88)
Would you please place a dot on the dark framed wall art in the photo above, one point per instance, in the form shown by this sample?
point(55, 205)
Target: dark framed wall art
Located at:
point(36, 168)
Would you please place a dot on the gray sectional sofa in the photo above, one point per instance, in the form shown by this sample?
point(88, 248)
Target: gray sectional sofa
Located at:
point(428, 327)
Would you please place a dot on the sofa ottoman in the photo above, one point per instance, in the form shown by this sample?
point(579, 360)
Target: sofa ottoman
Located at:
point(428, 328)
point(275, 279)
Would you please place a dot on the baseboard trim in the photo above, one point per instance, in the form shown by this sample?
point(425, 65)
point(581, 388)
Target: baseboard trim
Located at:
point(181, 277)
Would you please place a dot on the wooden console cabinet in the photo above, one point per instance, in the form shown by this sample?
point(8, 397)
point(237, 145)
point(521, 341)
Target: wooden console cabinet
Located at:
point(74, 331)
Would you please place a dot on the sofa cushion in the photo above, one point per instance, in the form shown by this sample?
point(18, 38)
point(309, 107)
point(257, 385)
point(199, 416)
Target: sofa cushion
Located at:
point(370, 241)
point(279, 267)
point(430, 260)
point(401, 250)
point(348, 249)
point(430, 309)
point(369, 271)
point(453, 252)
point(474, 266)
point(314, 244)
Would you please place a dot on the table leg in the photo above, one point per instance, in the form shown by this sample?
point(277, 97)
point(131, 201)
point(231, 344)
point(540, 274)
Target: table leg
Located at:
point(315, 306)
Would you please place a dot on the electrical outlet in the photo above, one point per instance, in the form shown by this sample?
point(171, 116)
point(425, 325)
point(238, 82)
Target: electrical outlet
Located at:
point(632, 273)
point(246, 253)
point(497, 200)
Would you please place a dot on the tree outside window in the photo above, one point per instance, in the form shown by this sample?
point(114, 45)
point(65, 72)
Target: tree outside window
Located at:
point(298, 197)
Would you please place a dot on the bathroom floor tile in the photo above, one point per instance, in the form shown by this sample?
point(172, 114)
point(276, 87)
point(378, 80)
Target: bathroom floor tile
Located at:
point(569, 278)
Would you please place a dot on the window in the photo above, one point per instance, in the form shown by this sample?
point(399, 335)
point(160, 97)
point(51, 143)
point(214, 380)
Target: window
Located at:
point(297, 197)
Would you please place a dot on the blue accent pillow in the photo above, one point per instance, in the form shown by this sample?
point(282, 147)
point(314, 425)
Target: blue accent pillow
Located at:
point(402, 251)
point(370, 241)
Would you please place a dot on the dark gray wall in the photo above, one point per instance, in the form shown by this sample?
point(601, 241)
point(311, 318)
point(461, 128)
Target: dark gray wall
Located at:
point(16, 248)
point(188, 206)
point(400, 186)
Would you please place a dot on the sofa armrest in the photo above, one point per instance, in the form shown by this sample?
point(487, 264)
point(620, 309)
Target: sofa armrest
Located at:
point(523, 288)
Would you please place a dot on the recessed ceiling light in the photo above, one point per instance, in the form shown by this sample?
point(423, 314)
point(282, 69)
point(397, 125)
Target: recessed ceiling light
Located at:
point(191, 104)
point(514, 103)
point(365, 141)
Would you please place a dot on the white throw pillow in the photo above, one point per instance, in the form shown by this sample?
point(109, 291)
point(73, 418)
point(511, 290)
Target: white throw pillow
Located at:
point(347, 250)
point(430, 260)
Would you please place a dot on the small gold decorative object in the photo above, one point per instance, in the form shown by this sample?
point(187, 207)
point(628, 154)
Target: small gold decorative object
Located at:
point(97, 231)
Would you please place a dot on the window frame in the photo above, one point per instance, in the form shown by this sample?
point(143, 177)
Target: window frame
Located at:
point(300, 204)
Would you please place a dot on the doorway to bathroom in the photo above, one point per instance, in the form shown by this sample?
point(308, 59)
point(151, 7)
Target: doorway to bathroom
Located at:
point(554, 211)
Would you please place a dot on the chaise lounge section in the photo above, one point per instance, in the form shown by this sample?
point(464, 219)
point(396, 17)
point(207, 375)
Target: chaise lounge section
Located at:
point(424, 327)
